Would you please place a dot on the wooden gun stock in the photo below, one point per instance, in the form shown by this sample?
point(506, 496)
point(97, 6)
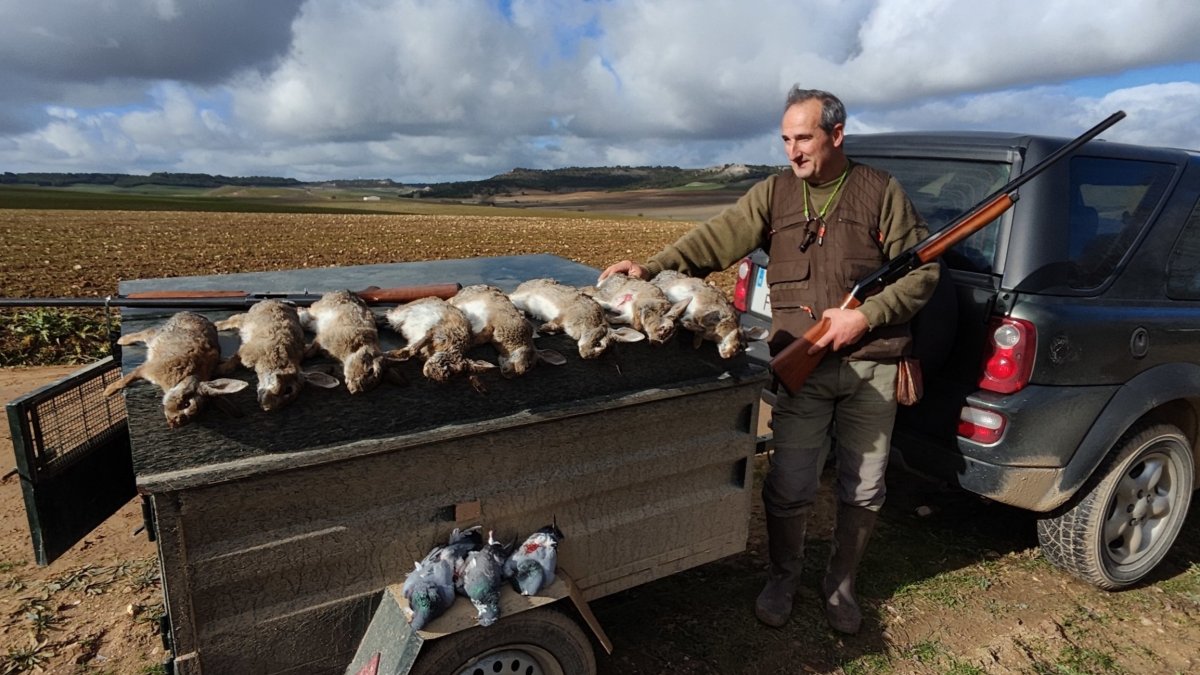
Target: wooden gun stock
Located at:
point(398, 295)
point(793, 364)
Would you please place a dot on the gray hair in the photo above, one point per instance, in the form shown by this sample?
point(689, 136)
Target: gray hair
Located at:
point(833, 112)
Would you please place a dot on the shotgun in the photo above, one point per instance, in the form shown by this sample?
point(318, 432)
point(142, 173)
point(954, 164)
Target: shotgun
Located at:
point(793, 364)
point(372, 295)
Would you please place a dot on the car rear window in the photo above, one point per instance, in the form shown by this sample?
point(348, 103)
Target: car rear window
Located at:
point(942, 190)
point(1111, 200)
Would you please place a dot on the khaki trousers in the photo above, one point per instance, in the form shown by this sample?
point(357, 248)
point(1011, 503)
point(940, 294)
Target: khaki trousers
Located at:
point(857, 401)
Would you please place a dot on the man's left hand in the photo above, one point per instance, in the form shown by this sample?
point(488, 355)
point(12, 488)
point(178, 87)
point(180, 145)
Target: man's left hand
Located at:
point(846, 326)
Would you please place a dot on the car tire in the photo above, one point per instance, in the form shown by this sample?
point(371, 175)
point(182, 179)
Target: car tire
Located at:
point(542, 641)
point(1128, 514)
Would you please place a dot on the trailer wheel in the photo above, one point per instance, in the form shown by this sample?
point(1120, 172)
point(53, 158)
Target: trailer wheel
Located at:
point(1125, 519)
point(541, 641)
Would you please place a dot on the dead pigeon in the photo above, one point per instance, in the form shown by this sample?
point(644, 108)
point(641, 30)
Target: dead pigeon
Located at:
point(429, 588)
point(480, 576)
point(531, 567)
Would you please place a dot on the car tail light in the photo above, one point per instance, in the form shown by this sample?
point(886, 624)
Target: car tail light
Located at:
point(1009, 359)
point(741, 288)
point(981, 426)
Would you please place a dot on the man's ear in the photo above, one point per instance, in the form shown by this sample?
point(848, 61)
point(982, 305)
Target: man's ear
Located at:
point(839, 135)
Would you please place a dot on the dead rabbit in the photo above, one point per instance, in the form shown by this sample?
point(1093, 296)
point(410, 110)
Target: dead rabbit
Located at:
point(565, 309)
point(273, 346)
point(495, 319)
point(640, 305)
point(345, 330)
point(709, 314)
point(440, 334)
point(182, 355)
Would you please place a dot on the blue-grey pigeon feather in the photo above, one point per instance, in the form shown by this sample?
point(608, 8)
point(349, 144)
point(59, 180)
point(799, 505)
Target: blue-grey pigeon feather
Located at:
point(481, 575)
point(531, 566)
point(429, 588)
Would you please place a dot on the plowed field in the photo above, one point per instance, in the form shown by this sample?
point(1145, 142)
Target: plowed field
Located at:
point(86, 253)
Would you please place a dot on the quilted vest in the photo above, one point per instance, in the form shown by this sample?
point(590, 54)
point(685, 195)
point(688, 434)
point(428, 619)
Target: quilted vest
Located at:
point(806, 278)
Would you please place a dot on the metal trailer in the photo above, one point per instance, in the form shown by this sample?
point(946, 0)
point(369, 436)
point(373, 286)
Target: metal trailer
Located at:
point(284, 537)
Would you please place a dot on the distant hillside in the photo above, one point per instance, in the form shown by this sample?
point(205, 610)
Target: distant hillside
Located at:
point(198, 180)
point(550, 180)
point(599, 178)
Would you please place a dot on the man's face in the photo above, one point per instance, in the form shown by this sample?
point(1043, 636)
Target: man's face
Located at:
point(815, 155)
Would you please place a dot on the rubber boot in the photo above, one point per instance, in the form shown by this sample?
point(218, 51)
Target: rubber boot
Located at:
point(785, 545)
point(850, 536)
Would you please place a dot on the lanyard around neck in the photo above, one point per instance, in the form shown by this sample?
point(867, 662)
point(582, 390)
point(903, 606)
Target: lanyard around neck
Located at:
point(825, 209)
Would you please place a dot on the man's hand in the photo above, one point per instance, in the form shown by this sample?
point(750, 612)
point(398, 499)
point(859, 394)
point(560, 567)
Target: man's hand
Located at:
point(846, 326)
point(625, 267)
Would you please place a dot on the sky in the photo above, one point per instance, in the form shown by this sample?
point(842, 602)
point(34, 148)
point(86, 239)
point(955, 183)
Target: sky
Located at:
point(439, 90)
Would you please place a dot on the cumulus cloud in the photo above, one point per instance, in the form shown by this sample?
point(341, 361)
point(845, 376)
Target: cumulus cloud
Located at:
point(427, 90)
point(917, 48)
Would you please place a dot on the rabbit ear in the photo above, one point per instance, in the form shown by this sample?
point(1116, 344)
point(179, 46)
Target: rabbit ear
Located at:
point(222, 386)
point(232, 323)
point(551, 357)
point(626, 334)
point(678, 309)
point(319, 379)
point(480, 366)
point(140, 336)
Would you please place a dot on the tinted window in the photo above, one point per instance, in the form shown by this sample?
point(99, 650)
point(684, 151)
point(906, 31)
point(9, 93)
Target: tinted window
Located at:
point(1111, 199)
point(1183, 267)
point(944, 189)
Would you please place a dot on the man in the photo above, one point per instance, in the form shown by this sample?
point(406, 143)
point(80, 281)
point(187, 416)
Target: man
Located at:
point(827, 223)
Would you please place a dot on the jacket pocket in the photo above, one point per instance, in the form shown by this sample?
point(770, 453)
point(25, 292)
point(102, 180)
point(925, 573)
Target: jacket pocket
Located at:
point(862, 252)
point(786, 278)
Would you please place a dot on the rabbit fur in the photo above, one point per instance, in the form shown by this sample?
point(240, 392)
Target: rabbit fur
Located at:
point(441, 334)
point(709, 314)
point(345, 330)
point(639, 304)
point(273, 346)
point(495, 319)
point(182, 355)
point(565, 309)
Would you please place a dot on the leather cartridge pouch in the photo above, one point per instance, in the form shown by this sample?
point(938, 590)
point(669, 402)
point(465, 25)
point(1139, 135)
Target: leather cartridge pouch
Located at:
point(909, 386)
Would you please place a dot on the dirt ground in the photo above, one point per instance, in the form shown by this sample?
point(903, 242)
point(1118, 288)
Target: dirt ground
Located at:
point(951, 583)
point(98, 603)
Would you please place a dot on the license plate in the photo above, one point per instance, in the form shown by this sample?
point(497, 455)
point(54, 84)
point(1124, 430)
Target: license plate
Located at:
point(760, 296)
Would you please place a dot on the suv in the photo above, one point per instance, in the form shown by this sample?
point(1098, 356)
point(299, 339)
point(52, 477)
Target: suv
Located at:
point(1060, 353)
